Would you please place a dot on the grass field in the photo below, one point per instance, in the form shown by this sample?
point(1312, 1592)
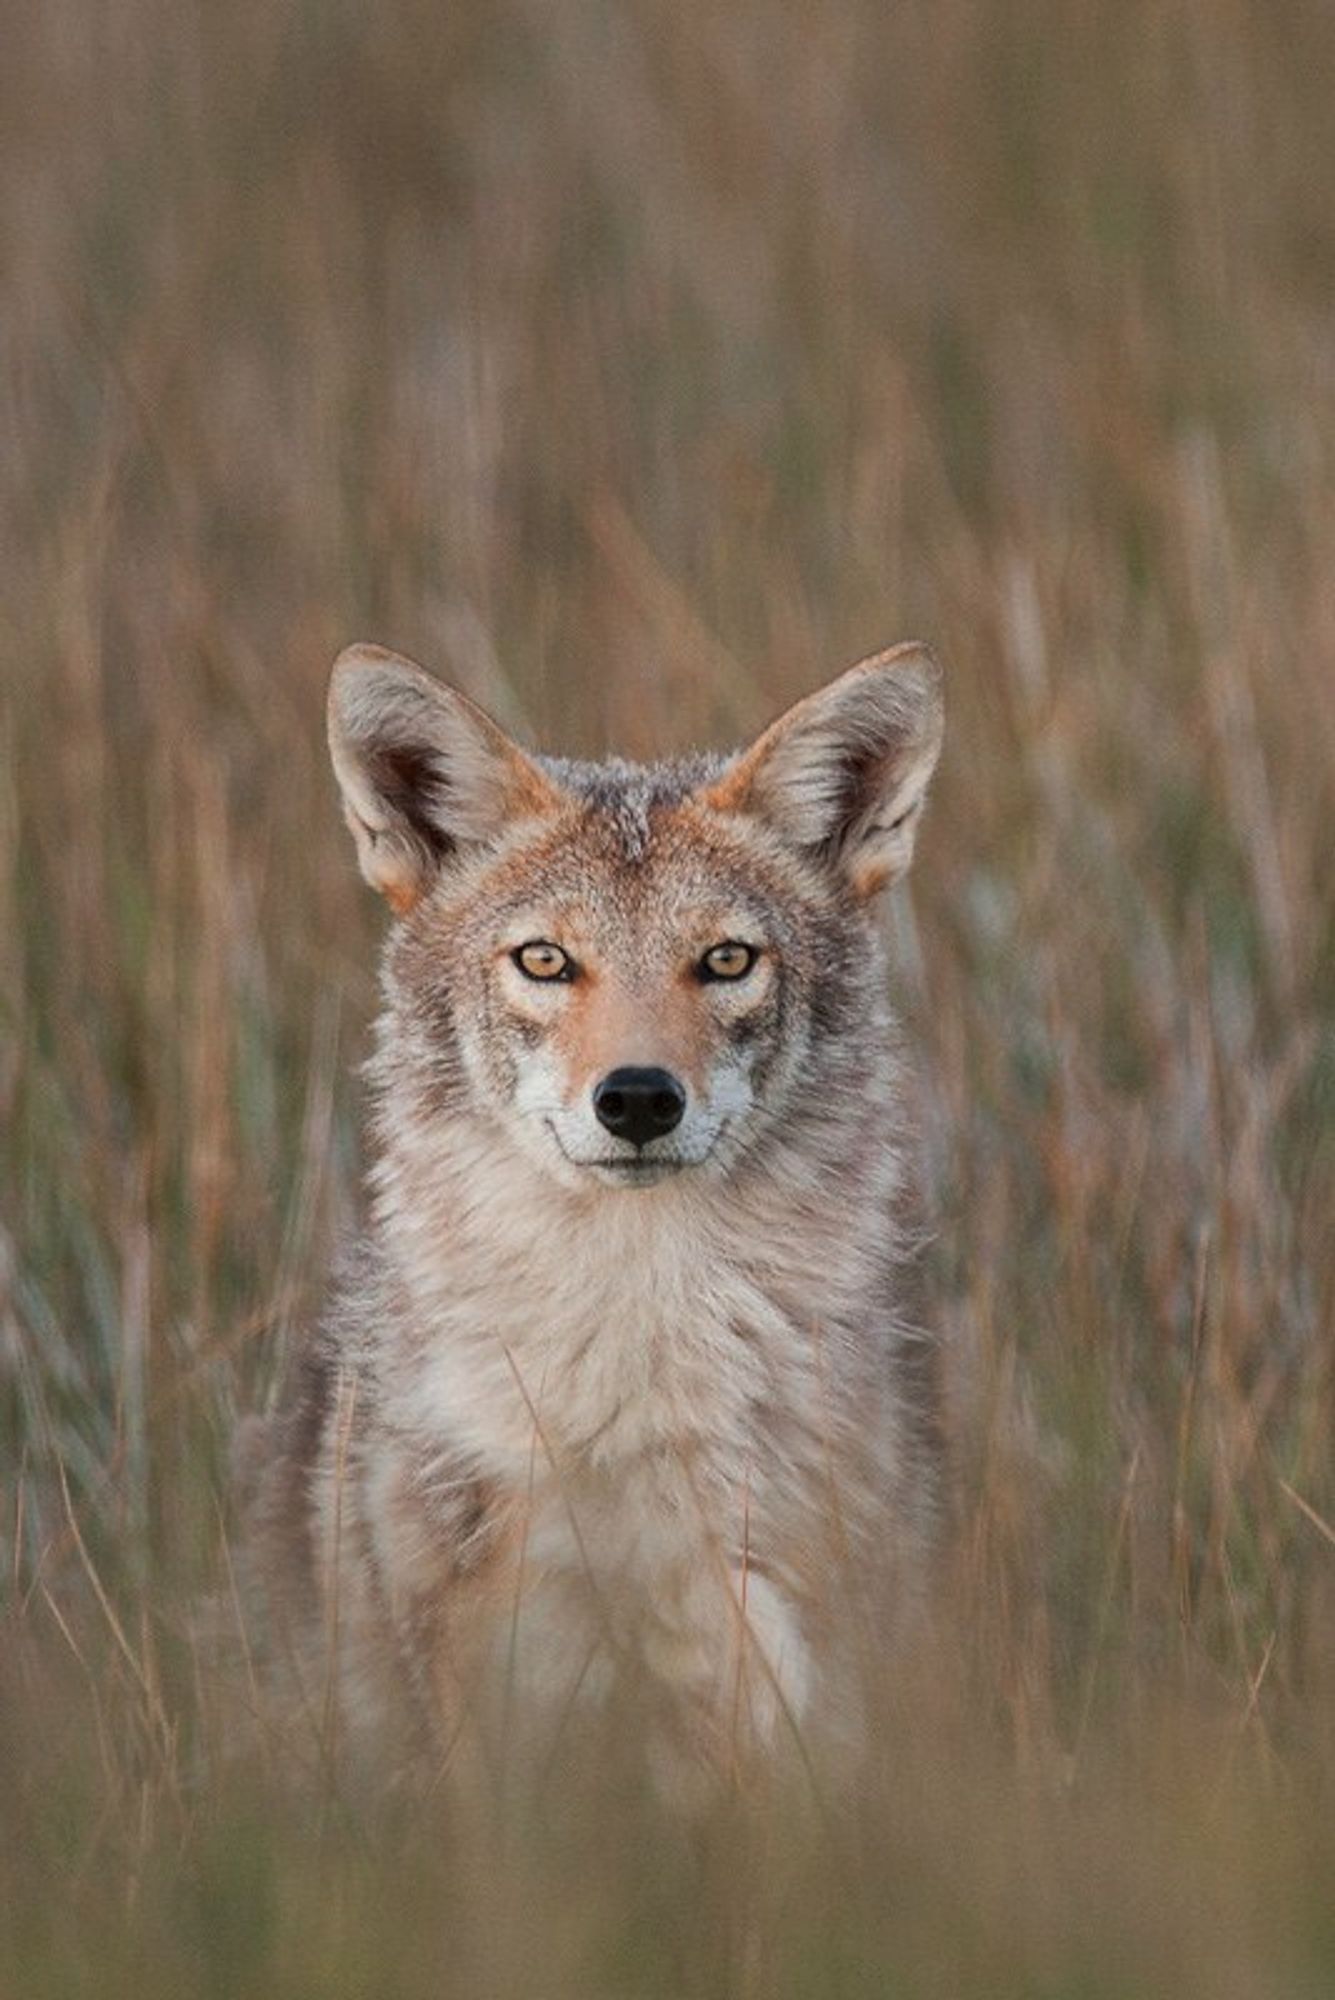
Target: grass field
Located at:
point(638, 367)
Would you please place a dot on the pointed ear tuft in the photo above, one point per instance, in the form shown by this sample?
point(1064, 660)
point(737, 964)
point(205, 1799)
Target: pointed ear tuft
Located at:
point(424, 773)
point(843, 774)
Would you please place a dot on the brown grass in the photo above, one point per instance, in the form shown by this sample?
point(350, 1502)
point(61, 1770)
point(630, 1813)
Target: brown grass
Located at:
point(638, 367)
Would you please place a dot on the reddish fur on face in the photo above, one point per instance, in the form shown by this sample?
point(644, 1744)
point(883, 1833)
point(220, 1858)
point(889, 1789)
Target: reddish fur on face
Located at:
point(608, 1026)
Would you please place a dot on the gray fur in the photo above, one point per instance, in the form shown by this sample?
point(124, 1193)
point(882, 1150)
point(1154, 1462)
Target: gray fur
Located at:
point(626, 795)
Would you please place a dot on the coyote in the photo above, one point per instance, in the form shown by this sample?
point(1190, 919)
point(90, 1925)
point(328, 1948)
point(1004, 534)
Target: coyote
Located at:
point(622, 1383)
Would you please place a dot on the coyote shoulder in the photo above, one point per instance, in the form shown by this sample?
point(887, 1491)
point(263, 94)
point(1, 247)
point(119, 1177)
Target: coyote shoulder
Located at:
point(620, 1386)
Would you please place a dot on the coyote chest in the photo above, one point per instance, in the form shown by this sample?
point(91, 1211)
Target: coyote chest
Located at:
point(655, 1414)
point(601, 1336)
point(619, 1377)
point(599, 1366)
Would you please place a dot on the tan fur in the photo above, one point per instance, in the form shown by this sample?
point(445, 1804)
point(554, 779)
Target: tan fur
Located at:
point(588, 1413)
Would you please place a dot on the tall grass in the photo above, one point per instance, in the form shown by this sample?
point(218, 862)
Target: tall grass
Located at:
point(638, 367)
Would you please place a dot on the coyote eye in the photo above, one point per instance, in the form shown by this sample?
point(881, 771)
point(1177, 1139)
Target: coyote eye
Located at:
point(727, 961)
point(540, 960)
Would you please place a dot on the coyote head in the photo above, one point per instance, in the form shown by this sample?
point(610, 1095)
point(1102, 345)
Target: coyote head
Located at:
point(631, 969)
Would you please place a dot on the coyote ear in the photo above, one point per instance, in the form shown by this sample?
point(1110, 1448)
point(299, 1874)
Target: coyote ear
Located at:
point(843, 774)
point(423, 772)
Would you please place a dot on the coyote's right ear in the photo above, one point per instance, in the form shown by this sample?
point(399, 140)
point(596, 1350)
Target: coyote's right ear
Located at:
point(423, 772)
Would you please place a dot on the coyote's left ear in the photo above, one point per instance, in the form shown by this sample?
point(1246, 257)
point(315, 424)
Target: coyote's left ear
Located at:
point(843, 774)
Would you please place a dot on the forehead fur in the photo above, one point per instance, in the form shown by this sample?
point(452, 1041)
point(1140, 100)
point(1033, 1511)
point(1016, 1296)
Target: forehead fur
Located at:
point(636, 858)
point(625, 797)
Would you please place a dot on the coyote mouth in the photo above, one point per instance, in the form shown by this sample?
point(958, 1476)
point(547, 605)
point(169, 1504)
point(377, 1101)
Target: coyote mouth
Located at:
point(634, 1168)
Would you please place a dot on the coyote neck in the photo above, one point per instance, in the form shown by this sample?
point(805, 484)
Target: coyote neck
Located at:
point(616, 1324)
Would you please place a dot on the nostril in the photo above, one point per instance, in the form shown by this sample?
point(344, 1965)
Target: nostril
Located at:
point(666, 1107)
point(611, 1107)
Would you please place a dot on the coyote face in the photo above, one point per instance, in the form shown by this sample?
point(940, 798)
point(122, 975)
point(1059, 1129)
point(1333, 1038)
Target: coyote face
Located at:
point(620, 1379)
point(632, 962)
point(632, 1029)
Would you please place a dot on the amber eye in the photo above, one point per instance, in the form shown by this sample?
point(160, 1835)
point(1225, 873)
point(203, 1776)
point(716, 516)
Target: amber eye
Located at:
point(727, 961)
point(540, 960)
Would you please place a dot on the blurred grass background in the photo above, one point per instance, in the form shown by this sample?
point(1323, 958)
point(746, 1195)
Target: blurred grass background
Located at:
point(639, 367)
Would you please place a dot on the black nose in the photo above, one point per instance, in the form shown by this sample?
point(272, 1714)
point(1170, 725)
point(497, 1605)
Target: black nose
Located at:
point(639, 1104)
